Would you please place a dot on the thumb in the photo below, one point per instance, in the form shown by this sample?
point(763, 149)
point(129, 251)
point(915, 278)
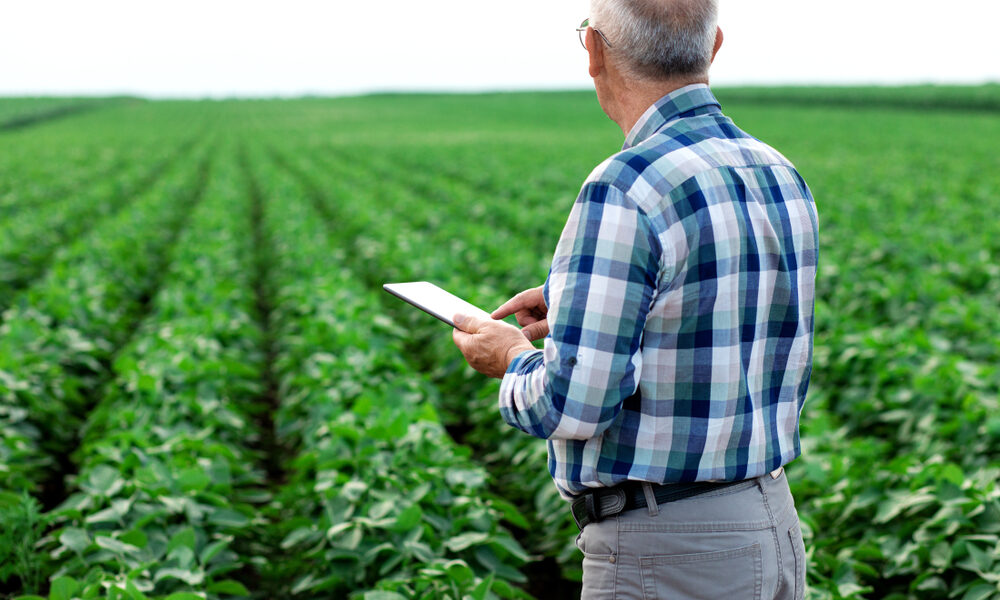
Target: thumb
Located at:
point(466, 323)
point(536, 330)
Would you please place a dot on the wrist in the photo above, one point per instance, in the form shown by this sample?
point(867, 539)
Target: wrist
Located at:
point(516, 350)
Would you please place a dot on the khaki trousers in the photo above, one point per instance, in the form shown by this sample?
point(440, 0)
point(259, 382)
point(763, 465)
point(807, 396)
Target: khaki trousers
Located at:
point(740, 543)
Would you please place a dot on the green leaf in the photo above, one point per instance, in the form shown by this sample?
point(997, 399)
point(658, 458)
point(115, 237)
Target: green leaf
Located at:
point(75, 538)
point(184, 537)
point(463, 541)
point(228, 518)
point(850, 588)
point(473, 478)
point(108, 515)
point(175, 504)
point(980, 591)
point(510, 545)
point(486, 557)
point(932, 584)
point(188, 576)
point(336, 530)
point(982, 560)
point(297, 536)
point(953, 473)
point(115, 546)
point(352, 540)
point(352, 490)
point(940, 556)
point(483, 588)
point(409, 518)
point(193, 480)
point(303, 584)
point(210, 551)
point(146, 383)
point(184, 596)
point(133, 591)
point(899, 502)
point(381, 509)
point(390, 565)
point(63, 588)
point(136, 537)
point(459, 572)
point(183, 556)
point(383, 595)
point(104, 481)
point(233, 588)
point(510, 512)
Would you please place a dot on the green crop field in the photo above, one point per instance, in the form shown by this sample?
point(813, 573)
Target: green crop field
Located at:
point(205, 394)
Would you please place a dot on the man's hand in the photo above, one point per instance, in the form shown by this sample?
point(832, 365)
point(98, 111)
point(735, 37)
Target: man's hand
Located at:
point(488, 346)
point(530, 310)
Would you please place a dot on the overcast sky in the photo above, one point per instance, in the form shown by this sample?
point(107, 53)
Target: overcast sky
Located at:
point(294, 47)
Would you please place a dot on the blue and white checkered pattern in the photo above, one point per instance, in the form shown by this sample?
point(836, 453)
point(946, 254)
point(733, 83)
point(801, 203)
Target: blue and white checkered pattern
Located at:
point(680, 310)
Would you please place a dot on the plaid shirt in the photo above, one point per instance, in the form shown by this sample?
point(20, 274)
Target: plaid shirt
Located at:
point(680, 310)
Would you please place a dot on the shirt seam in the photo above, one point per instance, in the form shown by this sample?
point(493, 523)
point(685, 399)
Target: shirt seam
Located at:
point(659, 249)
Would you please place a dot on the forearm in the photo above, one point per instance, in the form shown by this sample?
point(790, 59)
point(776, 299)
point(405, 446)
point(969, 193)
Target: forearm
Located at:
point(524, 402)
point(599, 291)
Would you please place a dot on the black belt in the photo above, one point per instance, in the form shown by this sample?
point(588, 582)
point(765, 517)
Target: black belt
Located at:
point(595, 506)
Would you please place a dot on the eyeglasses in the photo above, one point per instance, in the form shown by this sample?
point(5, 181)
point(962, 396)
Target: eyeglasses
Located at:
point(582, 30)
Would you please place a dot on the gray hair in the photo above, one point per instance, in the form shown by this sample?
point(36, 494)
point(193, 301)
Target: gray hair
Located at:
point(659, 39)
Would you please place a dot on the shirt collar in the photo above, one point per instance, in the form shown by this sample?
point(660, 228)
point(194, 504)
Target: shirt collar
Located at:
point(687, 101)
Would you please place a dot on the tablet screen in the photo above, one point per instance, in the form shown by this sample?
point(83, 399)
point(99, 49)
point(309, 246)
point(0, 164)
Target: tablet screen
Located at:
point(433, 300)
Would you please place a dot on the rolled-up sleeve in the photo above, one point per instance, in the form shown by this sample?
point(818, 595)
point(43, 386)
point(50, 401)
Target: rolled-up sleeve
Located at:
point(599, 290)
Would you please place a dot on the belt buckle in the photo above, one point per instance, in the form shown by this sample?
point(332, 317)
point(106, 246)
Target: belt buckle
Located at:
point(589, 507)
point(584, 511)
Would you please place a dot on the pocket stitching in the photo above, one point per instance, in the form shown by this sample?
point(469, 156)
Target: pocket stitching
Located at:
point(753, 551)
point(799, 563)
point(679, 559)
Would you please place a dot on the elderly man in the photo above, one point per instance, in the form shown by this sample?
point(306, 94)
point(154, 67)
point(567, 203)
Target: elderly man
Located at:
point(677, 319)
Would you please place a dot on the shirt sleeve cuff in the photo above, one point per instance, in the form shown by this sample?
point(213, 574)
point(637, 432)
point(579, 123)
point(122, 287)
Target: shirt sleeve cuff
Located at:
point(525, 362)
point(517, 395)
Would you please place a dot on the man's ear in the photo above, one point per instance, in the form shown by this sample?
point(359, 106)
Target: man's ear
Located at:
point(596, 51)
point(718, 42)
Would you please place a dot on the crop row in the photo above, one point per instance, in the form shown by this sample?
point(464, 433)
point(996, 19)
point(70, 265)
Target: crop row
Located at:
point(249, 329)
point(29, 239)
point(39, 175)
point(377, 496)
point(422, 229)
point(898, 480)
point(166, 482)
point(61, 334)
point(17, 113)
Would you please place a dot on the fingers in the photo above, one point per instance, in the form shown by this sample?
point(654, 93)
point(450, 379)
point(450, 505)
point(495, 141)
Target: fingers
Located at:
point(510, 307)
point(525, 318)
point(488, 346)
point(525, 301)
point(460, 338)
point(536, 330)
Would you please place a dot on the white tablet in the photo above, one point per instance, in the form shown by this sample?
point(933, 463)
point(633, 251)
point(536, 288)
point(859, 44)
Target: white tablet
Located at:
point(434, 301)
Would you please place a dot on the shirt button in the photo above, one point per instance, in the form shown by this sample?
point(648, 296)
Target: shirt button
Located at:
point(611, 559)
point(571, 361)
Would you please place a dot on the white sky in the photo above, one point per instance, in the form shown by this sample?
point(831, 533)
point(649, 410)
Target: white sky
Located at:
point(229, 47)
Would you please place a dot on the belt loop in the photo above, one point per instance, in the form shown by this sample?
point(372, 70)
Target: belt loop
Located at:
point(651, 505)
